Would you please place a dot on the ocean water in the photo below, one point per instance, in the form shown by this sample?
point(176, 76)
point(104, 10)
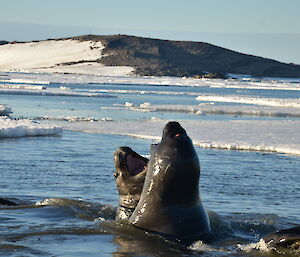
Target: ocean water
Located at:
point(66, 193)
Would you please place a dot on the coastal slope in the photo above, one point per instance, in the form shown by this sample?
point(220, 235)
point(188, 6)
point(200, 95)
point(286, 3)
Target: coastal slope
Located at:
point(129, 55)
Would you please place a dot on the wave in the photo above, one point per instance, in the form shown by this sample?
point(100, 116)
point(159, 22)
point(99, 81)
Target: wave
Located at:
point(234, 233)
point(82, 209)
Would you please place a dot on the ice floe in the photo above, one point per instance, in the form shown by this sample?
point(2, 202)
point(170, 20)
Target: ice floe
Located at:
point(5, 109)
point(209, 108)
point(250, 100)
point(50, 92)
point(251, 135)
point(22, 86)
point(116, 78)
point(23, 127)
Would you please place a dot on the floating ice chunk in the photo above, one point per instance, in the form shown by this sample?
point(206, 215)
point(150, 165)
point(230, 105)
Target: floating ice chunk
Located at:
point(25, 81)
point(128, 104)
point(21, 128)
point(5, 109)
point(64, 88)
point(145, 105)
point(23, 86)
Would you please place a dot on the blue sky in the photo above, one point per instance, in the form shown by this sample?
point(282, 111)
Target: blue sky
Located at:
point(268, 28)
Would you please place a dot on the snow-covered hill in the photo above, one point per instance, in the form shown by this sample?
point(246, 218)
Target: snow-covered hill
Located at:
point(58, 56)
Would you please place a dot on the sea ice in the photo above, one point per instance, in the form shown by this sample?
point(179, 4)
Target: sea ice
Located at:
point(21, 128)
point(5, 109)
point(250, 100)
point(251, 135)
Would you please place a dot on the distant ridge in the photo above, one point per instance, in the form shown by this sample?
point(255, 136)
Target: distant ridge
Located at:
point(123, 55)
point(156, 57)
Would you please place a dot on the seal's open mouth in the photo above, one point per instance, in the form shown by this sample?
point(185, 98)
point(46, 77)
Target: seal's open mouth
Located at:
point(128, 160)
point(135, 165)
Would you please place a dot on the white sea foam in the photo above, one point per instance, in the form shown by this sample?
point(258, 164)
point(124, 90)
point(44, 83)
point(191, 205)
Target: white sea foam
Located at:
point(21, 128)
point(270, 136)
point(261, 246)
point(251, 100)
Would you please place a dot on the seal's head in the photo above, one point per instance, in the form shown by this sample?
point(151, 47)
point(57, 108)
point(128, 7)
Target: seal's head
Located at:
point(130, 175)
point(175, 165)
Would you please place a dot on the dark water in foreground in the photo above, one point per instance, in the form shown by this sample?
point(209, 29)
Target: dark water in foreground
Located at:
point(253, 193)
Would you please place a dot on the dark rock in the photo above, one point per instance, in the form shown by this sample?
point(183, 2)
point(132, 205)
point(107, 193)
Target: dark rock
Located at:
point(213, 75)
point(2, 42)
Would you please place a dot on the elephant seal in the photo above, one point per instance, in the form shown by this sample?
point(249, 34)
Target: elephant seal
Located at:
point(130, 175)
point(289, 238)
point(6, 202)
point(170, 204)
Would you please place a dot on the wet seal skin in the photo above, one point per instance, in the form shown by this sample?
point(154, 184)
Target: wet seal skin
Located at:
point(161, 195)
point(130, 175)
point(6, 202)
point(287, 238)
point(170, 203)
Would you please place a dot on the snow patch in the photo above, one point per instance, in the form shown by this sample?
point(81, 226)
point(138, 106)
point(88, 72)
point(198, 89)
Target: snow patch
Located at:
point(47, 53)
point(58, 56)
